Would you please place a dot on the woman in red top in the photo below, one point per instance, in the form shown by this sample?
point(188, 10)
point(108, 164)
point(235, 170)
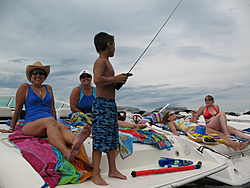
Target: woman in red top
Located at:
point(217, 120)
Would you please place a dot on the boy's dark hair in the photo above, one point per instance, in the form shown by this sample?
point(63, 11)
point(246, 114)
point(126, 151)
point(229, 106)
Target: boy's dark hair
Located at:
point(101, 39)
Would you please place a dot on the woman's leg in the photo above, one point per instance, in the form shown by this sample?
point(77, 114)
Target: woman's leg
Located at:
point(230, 143)
point(219, 122)
point(237, 133)
point(49, 127)
point(75, 140)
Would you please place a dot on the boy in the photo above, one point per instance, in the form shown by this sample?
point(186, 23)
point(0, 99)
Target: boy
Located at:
point(105, 126)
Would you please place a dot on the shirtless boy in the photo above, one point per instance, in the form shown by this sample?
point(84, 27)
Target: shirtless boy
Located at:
point(104, 122)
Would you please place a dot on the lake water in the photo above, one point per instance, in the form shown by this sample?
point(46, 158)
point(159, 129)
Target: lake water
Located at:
point(209, 183)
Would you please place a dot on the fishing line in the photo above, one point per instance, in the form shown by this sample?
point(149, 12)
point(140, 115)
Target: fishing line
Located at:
point(155, 37)
point(119, 85)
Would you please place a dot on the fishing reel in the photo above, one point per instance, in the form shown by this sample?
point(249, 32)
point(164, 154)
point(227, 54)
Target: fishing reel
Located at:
point(119, 85)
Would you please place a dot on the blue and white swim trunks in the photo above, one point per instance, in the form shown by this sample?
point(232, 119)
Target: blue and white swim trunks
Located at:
point(105, 125)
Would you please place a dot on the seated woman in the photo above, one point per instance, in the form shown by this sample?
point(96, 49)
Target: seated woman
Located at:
point(82, 97)
point(169, 119)
point(217, 120)
point(40, 119)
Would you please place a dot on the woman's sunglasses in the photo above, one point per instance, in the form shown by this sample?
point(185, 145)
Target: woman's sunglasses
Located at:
point(35, 73)
point(170, 115)
point(208, 99)
point(85, 76)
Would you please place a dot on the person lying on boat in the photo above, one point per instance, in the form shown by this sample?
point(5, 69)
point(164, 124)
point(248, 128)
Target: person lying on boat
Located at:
point(40, 119)
point(169, 119)
point(217, 120)
point(83, 96)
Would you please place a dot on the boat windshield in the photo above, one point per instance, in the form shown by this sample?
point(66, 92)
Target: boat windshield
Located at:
point(7, 101)
point(10, 101)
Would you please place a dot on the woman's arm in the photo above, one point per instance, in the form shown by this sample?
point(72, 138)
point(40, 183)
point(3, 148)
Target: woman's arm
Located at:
point(198, 114)
point(20, 100)
point(173, 128)
point(74, 98)
point(53, 100)
point(217, 107)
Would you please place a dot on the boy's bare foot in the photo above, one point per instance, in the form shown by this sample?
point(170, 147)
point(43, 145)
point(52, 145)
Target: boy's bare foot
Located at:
point(98, 180)
point(80, 137)
point(244, 145)
point(117, 174)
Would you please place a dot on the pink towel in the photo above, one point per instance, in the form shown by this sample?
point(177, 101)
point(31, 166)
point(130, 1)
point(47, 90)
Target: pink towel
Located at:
point(39, 153)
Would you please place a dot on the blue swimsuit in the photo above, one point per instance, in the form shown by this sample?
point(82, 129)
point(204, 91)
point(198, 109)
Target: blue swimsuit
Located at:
point(37, 108)
point(85, 102)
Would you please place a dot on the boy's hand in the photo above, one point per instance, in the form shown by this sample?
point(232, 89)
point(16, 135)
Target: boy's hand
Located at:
point(118, 84)
point(121, 78)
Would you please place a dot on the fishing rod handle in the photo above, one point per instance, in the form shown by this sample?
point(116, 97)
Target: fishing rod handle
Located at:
point(119, 85)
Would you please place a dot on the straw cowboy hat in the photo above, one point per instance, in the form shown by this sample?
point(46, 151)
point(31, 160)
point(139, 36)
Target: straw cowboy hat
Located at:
point(37, 65)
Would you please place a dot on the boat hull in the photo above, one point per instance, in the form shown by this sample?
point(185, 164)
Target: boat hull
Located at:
point(144, 157)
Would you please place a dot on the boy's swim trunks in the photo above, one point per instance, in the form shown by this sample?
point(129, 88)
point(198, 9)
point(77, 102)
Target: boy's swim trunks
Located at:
point(105, 125)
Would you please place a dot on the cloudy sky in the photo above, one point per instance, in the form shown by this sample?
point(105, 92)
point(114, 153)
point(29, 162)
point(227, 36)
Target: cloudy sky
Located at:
point(203, 49)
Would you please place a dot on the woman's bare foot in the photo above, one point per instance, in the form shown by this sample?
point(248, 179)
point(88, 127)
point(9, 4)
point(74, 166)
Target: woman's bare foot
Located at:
point(227, 135)
point(236, 146)
point(98, 180)
point(70, 156)
point(80, 137)
point(244, 145)
point(117, 174)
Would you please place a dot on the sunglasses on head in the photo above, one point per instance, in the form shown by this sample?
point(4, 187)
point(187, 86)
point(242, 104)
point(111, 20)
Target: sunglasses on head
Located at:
point(35, 73)
point(208, 99)
point(85, 76)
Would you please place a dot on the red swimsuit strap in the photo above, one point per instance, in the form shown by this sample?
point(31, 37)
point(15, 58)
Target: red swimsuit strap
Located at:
point(208, 115)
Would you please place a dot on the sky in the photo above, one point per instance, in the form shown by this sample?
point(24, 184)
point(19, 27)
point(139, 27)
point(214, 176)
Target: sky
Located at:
point(203, 49)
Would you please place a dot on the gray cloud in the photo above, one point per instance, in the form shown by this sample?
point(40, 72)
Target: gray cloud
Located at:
point(203, 49)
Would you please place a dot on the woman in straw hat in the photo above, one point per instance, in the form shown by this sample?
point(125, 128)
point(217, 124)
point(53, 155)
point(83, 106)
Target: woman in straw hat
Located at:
point(40, 118)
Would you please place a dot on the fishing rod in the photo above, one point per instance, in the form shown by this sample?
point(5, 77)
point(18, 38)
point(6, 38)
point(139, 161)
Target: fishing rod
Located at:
point(119, 85)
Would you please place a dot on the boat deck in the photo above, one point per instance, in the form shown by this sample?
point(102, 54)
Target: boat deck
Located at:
point(144, 157)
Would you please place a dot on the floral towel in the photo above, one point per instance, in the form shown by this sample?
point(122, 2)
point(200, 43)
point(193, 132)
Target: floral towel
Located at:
point(149, 137)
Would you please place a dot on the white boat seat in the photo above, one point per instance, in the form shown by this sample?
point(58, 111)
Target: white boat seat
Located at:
point(63, 112)
point(5, 114)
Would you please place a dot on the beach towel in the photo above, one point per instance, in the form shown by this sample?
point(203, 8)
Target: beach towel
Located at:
point(49, 162)
point(77, 171)
point(79, 118)
point(207, 138)
point(150, 137)
point(39, 153)
point(154, 117)
point(126, 144)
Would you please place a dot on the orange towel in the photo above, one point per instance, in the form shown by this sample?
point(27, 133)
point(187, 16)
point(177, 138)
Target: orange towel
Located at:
point(83, 165)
